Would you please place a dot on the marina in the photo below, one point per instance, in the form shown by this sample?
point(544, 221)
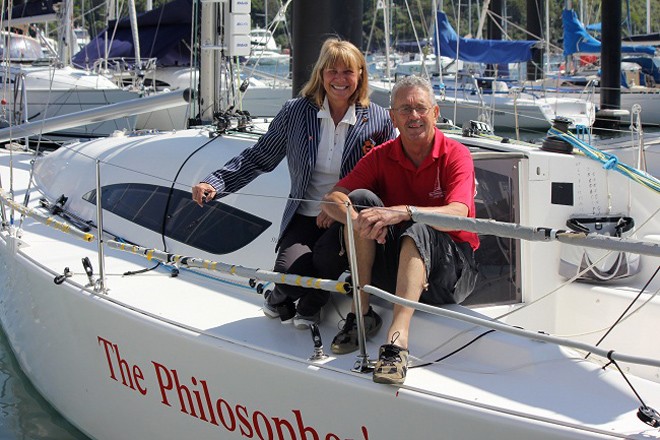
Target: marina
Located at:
point(130, 311)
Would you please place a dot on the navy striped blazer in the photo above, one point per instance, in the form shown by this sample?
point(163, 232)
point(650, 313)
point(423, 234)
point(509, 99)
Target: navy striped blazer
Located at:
point(295, 133)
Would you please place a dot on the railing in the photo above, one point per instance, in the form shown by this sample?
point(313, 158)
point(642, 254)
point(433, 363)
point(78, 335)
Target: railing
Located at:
point(511, 230)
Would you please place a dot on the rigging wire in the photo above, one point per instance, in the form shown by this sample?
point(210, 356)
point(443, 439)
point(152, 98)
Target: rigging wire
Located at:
point(623, 314)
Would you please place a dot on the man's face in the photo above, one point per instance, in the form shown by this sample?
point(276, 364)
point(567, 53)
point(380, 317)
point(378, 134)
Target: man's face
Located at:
point(414, 114)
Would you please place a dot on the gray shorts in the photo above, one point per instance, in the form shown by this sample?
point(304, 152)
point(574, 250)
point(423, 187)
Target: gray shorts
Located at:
point(450, 266)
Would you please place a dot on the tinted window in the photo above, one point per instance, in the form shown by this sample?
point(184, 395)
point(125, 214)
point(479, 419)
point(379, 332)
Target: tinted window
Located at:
point(217, 227)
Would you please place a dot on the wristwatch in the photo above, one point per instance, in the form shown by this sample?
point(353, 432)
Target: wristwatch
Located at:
point(411, 211)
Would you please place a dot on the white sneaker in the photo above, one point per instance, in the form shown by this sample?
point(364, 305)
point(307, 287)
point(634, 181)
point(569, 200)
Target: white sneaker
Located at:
point(304, 322)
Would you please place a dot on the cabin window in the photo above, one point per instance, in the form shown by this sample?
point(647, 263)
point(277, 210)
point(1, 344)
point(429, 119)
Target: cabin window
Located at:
point(498, 258)
point(216, 228)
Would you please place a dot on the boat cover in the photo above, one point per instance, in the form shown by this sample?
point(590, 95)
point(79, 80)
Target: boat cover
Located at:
point(164, 34)
point(475, 50)
point(38, 11)
point(577, 39)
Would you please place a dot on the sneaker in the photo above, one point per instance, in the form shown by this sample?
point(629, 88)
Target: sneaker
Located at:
point(303, 322)
point(346, 340)
point(392, 364)
point(285, 311)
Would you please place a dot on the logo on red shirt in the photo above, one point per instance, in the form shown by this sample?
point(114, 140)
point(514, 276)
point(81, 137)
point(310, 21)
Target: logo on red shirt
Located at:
point(437, 192)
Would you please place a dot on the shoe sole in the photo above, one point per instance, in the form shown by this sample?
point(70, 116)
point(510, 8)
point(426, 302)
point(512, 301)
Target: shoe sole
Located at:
point(277, 315)
point(270, 313)
point(389, 380)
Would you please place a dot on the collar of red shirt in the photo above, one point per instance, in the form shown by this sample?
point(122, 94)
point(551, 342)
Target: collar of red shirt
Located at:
point(398, 154)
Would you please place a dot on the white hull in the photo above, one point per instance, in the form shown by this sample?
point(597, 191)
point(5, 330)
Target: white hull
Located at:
point(122, 365)
point(51, 92)
point(647, 98)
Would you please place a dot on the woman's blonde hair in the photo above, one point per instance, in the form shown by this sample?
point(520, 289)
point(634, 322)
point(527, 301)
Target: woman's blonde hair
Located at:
point(333, 52)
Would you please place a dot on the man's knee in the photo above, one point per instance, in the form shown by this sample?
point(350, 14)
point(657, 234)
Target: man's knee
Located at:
point(364, 198)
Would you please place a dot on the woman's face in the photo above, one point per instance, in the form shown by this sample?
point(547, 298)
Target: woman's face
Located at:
point(340, 82)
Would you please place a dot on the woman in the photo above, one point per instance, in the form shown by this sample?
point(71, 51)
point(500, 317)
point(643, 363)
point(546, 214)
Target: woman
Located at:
point(331, 125)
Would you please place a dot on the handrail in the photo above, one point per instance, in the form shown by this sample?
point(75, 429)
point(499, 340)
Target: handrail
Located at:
point(232, 269)
point(45, 219)
point(534, 234)
point(543, 234)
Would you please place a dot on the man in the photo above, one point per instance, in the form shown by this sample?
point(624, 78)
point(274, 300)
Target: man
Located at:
point(424, 171)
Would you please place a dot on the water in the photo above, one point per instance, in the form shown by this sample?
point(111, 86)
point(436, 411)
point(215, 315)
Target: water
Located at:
point(24, 414)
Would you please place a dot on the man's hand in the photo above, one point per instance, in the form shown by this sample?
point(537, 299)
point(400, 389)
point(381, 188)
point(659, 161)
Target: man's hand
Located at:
point(372, 223)
point(203, 192)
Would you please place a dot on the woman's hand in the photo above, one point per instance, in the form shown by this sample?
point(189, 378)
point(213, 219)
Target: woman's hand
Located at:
point(203, 192)
point(323, 220)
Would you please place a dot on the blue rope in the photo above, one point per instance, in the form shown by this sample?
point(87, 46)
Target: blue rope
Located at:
point(610, 161)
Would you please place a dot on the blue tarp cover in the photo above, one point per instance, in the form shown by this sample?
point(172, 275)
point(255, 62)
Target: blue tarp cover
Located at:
point(477, 50)
point(31, 8)
point(164, 34)
point(578, 40)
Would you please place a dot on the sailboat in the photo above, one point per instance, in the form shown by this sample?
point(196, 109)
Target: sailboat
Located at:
point(166, 65)
point(465, 96)
point(138, 314)
point(637, 88)
point(38, 88)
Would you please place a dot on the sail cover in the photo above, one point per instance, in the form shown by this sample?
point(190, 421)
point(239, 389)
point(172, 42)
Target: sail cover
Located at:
point(34, 11)
point(164, 34)
point(578, 40)
point(449, 44)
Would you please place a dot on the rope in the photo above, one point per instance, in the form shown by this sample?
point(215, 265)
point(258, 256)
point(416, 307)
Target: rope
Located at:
point(610, 161)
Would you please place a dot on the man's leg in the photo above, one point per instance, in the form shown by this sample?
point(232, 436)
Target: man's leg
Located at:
point(410, 282)
point(365, 254)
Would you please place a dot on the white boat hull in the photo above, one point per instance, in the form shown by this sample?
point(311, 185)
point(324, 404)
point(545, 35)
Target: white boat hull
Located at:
point(192, 356)
point(117, 373)
point(51, 92)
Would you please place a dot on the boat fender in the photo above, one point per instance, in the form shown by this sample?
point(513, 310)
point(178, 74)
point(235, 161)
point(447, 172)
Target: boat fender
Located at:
point(60, 278)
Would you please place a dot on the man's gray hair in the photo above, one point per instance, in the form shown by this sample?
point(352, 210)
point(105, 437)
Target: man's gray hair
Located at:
point(413, 81)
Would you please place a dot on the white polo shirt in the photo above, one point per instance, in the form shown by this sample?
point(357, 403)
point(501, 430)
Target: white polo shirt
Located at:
point(328, 159)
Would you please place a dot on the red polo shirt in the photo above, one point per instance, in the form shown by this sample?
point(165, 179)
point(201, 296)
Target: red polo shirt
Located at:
point(445, 176)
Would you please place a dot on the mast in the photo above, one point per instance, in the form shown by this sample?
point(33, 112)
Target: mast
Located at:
point(534, 16)
point(65, 36)
point(208, 45)
point(436, 32)
point(386, 25)
point(132, 15)
point(610, 56)
point(313, 23)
